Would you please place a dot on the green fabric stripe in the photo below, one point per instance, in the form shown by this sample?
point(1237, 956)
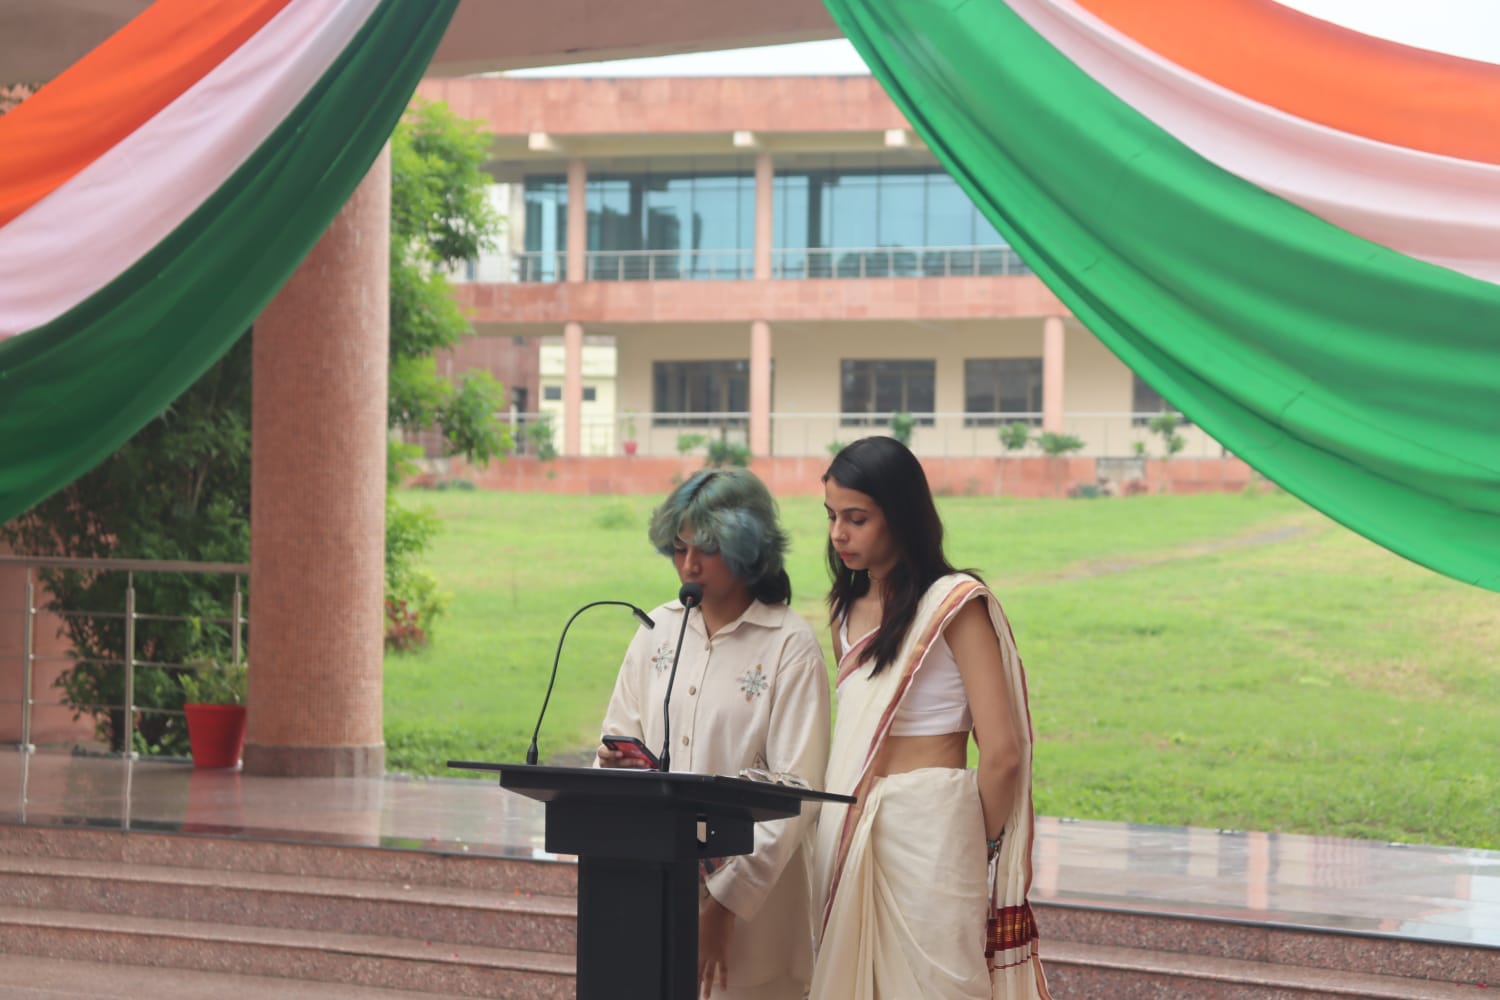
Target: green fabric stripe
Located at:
point(74, 390)
point(1361, 380)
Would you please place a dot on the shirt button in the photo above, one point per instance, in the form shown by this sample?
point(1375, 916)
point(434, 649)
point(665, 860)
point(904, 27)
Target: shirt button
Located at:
point(684, 741)
point(692, 690)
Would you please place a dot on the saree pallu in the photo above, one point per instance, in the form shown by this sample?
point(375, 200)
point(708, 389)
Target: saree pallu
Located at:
point(910, 909)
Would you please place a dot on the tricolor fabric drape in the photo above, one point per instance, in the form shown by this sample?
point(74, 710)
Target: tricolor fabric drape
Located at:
point(1289, 229)
point(155, 196)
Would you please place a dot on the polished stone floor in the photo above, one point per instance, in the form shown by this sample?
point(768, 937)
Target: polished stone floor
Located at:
point(1429, 893)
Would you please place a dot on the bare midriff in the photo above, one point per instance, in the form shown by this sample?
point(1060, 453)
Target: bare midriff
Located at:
point(900, 754)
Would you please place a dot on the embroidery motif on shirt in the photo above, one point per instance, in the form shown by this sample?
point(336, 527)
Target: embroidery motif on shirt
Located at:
point(662, 658)
point(753, 682)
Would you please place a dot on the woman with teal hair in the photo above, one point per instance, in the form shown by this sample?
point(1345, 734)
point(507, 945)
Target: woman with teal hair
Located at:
point(751, 692)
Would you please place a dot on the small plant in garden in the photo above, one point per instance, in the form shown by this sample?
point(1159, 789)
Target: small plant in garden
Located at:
point(1058, 445)
point(1014, 436)
point(210, 682)
point(901, 427)
point(1166, 426)
point(834, 447)
point(403, 628)
point(539, 437)
point(724, 452)
point(688, 442)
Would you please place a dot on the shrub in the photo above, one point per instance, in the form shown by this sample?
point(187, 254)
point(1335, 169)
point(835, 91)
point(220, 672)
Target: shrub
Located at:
point(901, 427)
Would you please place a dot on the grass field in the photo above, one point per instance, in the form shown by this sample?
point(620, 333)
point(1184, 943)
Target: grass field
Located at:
point(1230, 661)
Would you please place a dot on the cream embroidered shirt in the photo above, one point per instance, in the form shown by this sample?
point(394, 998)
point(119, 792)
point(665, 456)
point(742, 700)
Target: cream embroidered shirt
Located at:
point(753, 695)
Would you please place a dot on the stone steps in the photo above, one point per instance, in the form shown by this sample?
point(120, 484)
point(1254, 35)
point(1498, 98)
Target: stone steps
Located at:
point(1131, 954)
point(356, 918)
point(426, 921)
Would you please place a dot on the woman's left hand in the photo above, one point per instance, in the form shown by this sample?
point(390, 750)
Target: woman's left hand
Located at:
point(715, 925)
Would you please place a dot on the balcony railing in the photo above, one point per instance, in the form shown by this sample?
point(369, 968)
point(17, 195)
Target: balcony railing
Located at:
point(1123, 435)
point(799, 263)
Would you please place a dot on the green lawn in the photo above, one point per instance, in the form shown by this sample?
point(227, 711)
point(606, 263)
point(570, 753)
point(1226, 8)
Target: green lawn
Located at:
point(1233, 661)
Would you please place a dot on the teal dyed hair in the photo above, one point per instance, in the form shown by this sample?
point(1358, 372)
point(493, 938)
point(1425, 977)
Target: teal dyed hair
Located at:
point(731, 512)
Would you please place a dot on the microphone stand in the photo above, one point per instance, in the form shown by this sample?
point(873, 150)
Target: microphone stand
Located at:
point(645, 619)
point(691, 595)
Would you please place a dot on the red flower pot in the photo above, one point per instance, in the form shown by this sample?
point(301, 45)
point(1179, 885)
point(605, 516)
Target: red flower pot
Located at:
point(217, 734)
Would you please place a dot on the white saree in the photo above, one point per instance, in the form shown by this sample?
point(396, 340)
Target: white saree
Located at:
point(910, 907)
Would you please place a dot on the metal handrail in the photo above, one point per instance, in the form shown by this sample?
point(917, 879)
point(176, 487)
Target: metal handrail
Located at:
point(29, 658)
point(787, 263)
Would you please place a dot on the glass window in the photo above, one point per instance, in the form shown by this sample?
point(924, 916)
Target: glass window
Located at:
point(1146, 402)
point(683, 388)
point(881, 388)
point(872, 222)
point(590, 393)
point(999, 390)
point(546, 201)
point(552, 393)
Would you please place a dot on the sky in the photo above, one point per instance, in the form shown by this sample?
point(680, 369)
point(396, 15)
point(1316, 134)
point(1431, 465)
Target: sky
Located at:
point(1469, 28)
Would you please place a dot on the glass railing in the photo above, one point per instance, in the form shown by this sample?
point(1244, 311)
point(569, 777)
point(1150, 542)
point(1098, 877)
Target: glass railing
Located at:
point(790, 264)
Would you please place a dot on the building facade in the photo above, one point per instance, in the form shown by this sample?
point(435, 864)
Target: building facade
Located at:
point(777, 261)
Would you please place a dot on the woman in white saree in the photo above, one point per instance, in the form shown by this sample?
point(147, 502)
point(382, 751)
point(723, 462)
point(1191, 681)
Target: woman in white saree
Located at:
point(923, 882)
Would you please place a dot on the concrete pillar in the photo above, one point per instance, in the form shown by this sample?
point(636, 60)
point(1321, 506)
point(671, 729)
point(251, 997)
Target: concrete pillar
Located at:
point(760, 388)
point(578, 220)
point(578, 244)
point(572, 389)
point(317, 512)
point(1052, 374)
point(764, 200)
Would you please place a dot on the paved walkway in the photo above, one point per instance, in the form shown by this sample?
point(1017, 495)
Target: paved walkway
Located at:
point(1428, 893)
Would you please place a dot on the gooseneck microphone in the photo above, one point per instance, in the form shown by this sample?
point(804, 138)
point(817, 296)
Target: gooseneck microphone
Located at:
point(691, 595)
point(645, 620)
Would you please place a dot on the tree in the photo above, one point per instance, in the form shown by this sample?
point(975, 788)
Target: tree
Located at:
point(440, 217)
point(180, 488)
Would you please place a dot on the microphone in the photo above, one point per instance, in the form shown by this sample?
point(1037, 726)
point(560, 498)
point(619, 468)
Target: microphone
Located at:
point(691, 595)
point(644, 619)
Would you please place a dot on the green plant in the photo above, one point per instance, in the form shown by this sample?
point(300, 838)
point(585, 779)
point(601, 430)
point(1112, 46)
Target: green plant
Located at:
point(538, 435)
point(1057, 445)
point(1139, 447)
point(901, 427)
point(1165, 426)
point(630, 425)
point(834, 447)
point(1015, 435)
point(687, 442)
point(211, 682)
point(724, 452)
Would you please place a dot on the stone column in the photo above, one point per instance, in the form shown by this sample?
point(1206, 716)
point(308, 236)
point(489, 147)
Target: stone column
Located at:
point(572, 389)
point(760, 388)
point(1052, 374)
point(578, 243)
point(317, 489)
point(760, 331)
point(765, 193)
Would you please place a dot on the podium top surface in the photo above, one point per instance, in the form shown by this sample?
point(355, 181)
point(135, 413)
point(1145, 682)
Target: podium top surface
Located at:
point(547, 784)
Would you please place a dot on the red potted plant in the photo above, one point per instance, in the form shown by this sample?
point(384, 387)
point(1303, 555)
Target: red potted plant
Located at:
point(214, 703)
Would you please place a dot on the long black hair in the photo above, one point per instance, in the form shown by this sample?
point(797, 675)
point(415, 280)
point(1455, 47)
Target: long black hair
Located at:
point(887, 472)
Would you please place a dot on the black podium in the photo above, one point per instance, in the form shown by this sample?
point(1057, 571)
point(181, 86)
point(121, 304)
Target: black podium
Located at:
point(637, 838)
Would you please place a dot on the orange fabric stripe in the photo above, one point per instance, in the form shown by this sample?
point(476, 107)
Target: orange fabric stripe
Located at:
point(1323, 72)
point(115, 89)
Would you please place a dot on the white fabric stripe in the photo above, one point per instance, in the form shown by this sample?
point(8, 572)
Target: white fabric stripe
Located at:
point(1438, 209)
point(92, 228)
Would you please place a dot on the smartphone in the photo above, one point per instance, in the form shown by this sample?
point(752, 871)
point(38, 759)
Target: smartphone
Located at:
point(632, 747)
